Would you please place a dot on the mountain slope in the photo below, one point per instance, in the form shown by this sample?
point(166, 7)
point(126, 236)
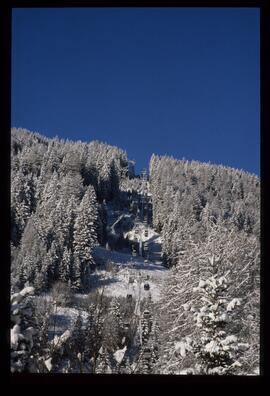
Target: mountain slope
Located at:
point(124, 265)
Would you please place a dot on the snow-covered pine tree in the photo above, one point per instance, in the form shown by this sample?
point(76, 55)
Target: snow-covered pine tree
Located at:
point(76, 275)
point(22, 330)
point(41, 350)
point(41, 280)
point(75, 347)
point(104, 186)
point(22, 200)
point(52, 159)
point(69, 221)
point(148, 351)
point(32, 259)
point(94, 331)
point(215, 348)
point(228, 249)
point(85, 235)
point(113, 328)
point(71, 162)
point(71, 187)
point(55, 256)
point(49, 195)
point(65, 266)
point(105, 362)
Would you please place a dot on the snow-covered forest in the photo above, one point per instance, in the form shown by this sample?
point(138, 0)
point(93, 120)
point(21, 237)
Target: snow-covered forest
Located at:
point(118, 273)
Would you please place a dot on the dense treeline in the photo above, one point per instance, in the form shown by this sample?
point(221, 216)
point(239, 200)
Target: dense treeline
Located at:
point(209, 220)
point(96, 341)
point(207, 321)
point(186, 194)
point(58, 190)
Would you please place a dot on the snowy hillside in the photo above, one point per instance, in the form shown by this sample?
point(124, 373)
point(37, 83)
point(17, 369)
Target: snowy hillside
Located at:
point(113, 272)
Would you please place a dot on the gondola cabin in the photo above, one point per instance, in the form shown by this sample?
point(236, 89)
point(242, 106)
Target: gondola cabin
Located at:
point(146, 314)
point(129, 297)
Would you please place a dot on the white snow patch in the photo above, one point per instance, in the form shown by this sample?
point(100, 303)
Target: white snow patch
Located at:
point(48, 364)
point(125, 266)
point(233, 303)
point(181, 348)
point(15, 336)
point(119, 354)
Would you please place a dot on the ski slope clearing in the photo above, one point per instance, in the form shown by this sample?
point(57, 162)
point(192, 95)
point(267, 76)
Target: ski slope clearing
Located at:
point(128, 275)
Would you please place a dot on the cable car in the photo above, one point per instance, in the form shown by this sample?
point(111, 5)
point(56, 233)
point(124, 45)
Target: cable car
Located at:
point(146, 314)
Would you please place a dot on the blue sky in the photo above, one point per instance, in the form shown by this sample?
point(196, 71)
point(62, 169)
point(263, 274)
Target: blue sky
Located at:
point(176, 81)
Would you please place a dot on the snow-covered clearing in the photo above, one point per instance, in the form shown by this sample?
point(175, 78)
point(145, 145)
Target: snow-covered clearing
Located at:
point(121, 273)
point(118, 274)
point(128, 275)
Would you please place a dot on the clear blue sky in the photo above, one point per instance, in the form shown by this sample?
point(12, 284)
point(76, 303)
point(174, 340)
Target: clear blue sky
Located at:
point(176, 81)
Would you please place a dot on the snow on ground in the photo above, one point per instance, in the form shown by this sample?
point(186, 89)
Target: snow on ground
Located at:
point(62, 318)
point(138, 232)
point(115, 284)
point(103, 256)
point(128, 275)
point(113, 214)
point(124, 275)
point(120, 273)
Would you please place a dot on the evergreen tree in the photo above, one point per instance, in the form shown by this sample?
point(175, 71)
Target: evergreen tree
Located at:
point(65, 266)
point(85, 234)
point(22, 330)
point(215, 349)
point(76, 275)
point(104, 362)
